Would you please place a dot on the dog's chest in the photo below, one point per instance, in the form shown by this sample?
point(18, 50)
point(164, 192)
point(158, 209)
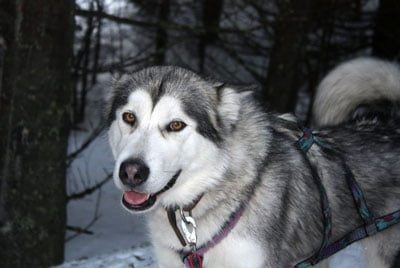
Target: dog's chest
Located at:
point(233, 251)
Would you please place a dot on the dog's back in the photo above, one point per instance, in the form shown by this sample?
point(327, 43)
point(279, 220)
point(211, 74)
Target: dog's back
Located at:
point(359, 102)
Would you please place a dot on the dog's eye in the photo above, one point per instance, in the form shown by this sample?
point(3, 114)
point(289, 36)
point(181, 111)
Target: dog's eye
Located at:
point(129, 118)
point(176, 126)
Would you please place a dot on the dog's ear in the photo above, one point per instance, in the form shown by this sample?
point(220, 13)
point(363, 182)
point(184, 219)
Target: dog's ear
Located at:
point(229, 104)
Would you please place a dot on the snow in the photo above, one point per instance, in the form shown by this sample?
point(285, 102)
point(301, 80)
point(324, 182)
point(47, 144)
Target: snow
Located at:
point(351, 257)
point(136, 257)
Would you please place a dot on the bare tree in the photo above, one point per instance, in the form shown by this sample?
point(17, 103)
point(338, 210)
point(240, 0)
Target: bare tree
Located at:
point(284, 71)
point(161, 33)
point(211, 14)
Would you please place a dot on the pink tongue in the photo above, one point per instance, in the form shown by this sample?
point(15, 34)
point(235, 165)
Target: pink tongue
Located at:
point(135, 198)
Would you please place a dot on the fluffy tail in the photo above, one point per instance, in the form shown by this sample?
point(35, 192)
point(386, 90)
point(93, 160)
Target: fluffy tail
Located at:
point(360, 86)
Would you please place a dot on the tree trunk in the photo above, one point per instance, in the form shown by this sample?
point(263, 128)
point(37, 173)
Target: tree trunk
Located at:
point(212, 10)
point(386, 40)
point(34, 118)
point(284, 71)
point(162, 34)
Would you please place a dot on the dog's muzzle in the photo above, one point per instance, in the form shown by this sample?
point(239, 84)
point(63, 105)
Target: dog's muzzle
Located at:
point(137, 201)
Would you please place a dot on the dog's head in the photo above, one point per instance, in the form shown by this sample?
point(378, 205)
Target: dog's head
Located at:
point(167, 129)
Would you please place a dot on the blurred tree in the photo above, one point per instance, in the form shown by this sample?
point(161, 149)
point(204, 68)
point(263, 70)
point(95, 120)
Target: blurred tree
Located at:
point(339, 29)
point(284, 69)
point(34, 118)
point(212, 10)
point(386, 41)
point(162, 35)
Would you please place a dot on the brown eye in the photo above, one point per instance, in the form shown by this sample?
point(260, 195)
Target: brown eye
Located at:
point(129, 118)
point(176, 126)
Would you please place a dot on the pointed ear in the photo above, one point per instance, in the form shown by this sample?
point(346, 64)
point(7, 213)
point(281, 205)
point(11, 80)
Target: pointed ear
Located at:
point(229, 105)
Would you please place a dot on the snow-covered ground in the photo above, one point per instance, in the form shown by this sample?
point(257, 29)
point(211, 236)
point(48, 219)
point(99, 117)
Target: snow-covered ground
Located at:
point(135, 257)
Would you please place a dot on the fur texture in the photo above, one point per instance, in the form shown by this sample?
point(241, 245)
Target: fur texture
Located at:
point(363, 81)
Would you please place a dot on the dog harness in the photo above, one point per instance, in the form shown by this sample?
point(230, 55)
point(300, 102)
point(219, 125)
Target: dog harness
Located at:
point(193, 258)
point(371, 225)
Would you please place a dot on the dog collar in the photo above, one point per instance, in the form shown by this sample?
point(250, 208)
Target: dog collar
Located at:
point(172, 219)
point(193, 258)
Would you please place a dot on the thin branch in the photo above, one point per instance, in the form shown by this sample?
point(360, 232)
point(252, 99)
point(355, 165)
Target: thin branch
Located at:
point(101, 14)
point(97, 46)
point(169, 25)
point(233, 54)
point(96, 132)
point(96, 216)
point(89, 190)
point(78, 230)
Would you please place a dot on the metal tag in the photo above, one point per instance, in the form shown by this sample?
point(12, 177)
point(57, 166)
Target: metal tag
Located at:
point(188, 226)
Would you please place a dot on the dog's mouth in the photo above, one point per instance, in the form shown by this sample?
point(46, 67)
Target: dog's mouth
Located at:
point(137, 201)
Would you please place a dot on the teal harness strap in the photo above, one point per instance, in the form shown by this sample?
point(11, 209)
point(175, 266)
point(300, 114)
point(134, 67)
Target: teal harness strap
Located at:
point(371, 225)
point(381, 223)
point(308, 139)
point(305, 143)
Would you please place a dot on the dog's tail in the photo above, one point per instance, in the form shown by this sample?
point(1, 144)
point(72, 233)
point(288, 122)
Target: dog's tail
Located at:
point(360, 89)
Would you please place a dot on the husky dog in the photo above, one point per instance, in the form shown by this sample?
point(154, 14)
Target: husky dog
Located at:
point(181, 141)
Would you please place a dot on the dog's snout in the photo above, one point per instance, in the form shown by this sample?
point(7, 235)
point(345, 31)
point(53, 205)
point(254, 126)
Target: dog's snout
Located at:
point(133, 172)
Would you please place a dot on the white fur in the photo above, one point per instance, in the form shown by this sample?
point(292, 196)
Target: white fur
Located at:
point(352, 83)
point(235, 250)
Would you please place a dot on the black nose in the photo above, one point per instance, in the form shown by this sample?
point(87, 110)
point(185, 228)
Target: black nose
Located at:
point(133, 172)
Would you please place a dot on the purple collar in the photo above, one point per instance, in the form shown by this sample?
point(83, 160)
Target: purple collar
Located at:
point(193, 259)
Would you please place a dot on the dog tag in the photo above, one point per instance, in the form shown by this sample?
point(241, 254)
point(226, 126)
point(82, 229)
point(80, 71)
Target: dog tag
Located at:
point(188, 226)
point(189, 230)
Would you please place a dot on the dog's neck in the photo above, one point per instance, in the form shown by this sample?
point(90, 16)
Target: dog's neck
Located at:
point(172, 219)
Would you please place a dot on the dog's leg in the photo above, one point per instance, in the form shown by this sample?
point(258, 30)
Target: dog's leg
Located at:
point(387, 245)
point(372, 258)
point(380, 250)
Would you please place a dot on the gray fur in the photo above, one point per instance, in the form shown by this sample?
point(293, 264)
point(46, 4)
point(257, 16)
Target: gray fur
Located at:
point(268, 172)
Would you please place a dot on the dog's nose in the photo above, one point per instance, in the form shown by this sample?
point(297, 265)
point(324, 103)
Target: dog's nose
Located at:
point(133, 172)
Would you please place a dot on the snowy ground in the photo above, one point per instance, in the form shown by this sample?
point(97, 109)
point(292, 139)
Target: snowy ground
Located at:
point(132, 258)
